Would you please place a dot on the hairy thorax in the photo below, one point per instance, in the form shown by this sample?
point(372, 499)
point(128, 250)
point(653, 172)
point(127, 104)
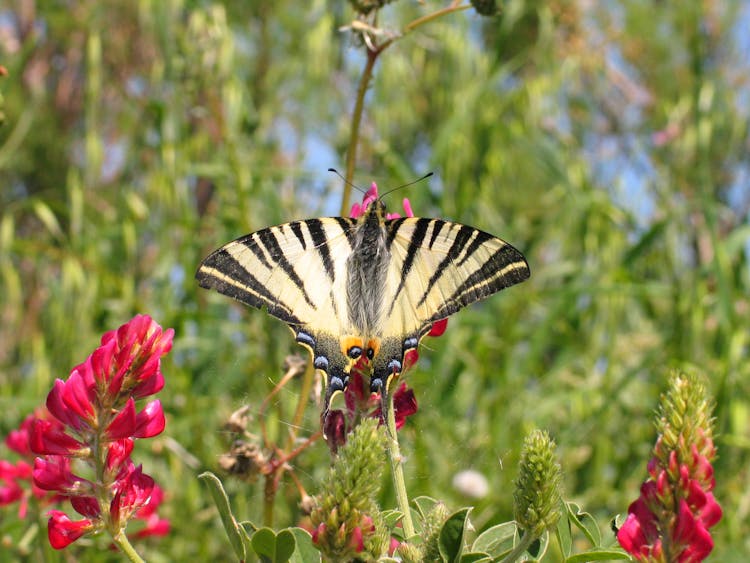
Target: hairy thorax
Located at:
point(366, 270)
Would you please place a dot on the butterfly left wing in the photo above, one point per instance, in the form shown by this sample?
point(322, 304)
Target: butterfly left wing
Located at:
point(297, 272)
point(437, 267)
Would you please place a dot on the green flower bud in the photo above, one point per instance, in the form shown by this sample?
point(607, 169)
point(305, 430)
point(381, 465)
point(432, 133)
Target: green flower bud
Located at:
point(684, 419)
point(431, 526)
point(346, 519)
point(536, 500)
point(410, 553)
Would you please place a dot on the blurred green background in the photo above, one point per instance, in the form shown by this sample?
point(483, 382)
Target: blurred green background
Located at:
point(606, 140)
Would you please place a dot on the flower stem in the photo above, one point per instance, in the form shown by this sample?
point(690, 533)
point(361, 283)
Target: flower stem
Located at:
point(397, 467)
point(526, 540)
point(121, 540)
point(453, 7)
point(359, 105)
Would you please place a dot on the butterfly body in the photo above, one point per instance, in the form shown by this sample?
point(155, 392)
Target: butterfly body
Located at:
point(368, 287)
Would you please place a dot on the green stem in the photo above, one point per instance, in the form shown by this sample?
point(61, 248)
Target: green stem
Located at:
point(454, 7)
point(397, 466)
point(364, 81)
point(302, 401)
point(121, 540)
point(269, 496)
point(526, 540)
point(359, 105)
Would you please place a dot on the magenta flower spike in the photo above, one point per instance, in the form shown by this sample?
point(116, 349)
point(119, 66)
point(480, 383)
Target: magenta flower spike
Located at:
point(92, 426)
point(670, 520)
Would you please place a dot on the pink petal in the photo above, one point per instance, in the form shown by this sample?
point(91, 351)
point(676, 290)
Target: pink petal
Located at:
point(149, 386)
point(123, 425)
point(334, 429)
point(149, 509)
point(57, 407)
point(118, 452)
point(53, 474)
point(631, 536)
point(133, 492)
point(62, 531)
point(356, 540)
point(405, 404)
point(10, 492)
point(155, 526)
point(690, 532)
point(86, 506)
point(711, 512)
point(47, 439)
point(79, 399)
point(407, 207)
point(150, 421)
point(102, 364)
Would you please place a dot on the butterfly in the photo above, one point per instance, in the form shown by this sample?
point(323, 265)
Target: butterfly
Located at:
point(361, 288)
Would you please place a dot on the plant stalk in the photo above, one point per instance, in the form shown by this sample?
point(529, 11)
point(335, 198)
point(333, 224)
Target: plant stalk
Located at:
point(121, 540)
point(359, 105)
point(397, 467)
point(526, 540)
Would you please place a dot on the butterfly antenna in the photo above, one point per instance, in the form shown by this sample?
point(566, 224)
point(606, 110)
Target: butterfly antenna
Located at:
point(407, 184)
point(355, 186)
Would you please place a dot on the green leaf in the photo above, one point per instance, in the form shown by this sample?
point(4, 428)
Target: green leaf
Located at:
point(424, 505)
point(305, 551)
point(391, 518)
point(263, 543)
point(451, 539)
point(538, 547)
point(48, 218)
point(584, 522)
point(475, 557)
point(496, 540)
point(606, 554)
point(286, 543)
point(273, 548)
point(564, 537)
point(233, 530)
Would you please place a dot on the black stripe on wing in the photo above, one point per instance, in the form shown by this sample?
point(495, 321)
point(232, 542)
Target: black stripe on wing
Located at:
point(222, 272)
point(506, 267)
point(269, 240)
point(318, 235)
point(415, 243)
point(459, 242)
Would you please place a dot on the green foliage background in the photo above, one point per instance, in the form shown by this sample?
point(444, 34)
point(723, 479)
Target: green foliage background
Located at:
point(606, 140)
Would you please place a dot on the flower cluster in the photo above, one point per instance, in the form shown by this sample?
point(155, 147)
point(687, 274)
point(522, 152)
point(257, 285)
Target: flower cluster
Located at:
point(16, 482)
point(92, 422)
point(361, 403)
point(347, 524)
point(536, 499)
point(670, 519)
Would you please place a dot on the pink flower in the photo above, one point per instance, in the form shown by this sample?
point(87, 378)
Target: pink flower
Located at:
point(94, 422)
point(155, 526)
point(360, 402)
point(62, 531)
point(670, 519)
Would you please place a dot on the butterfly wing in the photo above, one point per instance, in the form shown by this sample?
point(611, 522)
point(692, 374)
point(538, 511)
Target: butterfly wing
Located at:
point(437, 267)
point(297, 272)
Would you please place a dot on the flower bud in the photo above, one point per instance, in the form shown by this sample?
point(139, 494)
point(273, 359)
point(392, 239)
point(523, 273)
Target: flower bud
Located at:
point(536, 499)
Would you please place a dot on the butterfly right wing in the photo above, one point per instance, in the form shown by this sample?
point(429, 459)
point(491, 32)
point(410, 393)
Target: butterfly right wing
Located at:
point(297, 272)
point(437, 267)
